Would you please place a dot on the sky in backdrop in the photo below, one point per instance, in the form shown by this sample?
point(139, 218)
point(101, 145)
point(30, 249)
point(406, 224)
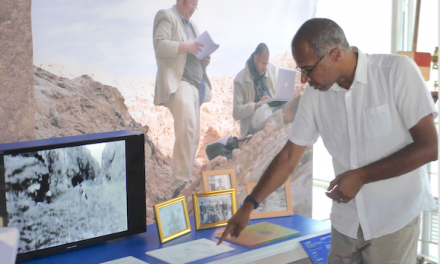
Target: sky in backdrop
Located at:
point(117, 35)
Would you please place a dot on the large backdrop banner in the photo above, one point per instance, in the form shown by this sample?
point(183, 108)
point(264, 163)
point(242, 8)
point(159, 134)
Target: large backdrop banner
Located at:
point(95, 70)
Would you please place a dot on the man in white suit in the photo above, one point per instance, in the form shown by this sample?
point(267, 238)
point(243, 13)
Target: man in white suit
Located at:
point(181, 83)
point(253, 84)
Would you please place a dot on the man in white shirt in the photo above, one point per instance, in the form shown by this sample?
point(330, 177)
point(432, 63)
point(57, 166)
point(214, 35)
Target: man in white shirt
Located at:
point(376, 118)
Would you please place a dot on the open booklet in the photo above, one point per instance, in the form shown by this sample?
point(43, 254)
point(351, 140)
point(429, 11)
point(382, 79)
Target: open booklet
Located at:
point(208, 45)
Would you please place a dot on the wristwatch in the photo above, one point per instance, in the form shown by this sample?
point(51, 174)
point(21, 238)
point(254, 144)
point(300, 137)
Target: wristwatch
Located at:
point(252, 200)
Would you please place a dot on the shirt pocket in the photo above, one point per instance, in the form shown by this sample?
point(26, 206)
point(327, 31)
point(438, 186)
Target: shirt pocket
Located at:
point(377, 121)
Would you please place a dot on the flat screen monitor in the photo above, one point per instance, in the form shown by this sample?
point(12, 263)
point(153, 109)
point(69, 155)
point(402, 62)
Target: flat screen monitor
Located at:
point(71, 192)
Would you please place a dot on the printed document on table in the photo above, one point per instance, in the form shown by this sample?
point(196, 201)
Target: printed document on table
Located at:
point(189, 251)
point(208, 45)
point(126, 260)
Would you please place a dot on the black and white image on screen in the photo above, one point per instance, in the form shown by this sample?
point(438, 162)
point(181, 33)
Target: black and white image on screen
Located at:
point(213, 209)
point(65, 195)
point(172, 218)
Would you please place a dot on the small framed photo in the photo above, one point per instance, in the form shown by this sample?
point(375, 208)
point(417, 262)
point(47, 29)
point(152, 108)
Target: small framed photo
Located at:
point(213, 209)
point(278, 203)
point(217, 180)
point(172, 219)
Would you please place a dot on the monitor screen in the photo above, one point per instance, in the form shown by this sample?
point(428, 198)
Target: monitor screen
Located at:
point(64, 195)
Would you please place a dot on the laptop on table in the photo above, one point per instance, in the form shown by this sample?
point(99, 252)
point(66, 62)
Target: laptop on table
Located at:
point(284, 88)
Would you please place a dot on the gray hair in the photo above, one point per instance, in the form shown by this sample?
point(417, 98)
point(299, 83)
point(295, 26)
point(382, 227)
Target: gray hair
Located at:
point(321, 34)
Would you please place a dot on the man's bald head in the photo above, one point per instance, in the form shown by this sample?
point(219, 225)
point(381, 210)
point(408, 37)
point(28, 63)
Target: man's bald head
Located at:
point(321, 34)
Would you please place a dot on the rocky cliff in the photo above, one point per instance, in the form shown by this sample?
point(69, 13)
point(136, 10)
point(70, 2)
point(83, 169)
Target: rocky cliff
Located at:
point(82, 105)
point(67, 107)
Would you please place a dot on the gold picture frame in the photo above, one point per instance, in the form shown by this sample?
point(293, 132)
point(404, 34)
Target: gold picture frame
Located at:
point(216, 180)
point(170, 226)
point(210, 210)
point(279, 206)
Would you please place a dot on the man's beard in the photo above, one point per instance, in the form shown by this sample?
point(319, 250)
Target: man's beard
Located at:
point(258, 70)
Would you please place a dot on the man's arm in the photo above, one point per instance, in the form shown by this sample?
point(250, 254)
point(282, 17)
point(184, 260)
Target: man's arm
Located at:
point(206, 61)
point(279, 170)
point(192, 47)
point(423, 150)
point(240, 109)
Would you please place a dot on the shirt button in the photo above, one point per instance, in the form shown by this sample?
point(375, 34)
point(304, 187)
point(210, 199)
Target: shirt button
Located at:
point(351, 118)
point(359, 211)
point(354, 166)
point(352, 142)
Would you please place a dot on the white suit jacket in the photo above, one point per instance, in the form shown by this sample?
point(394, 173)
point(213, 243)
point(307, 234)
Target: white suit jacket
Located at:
point(168, 31)
point(244, 96)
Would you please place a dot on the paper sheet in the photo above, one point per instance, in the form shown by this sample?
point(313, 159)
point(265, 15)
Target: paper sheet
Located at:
point(190, 251)
point(126, 260)
point(208, 45)
point(9, 237)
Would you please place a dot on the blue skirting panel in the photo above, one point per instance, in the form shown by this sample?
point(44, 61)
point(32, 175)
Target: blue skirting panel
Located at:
point(137, 245)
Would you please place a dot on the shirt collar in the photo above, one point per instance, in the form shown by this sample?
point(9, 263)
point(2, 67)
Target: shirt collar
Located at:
point(361, 74)
point(185, 22)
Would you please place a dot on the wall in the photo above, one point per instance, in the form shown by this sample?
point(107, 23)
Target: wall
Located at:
point(17, 111)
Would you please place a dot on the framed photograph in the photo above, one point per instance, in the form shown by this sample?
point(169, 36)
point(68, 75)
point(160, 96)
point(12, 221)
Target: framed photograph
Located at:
point(217, 180)
point(172, 219)
point(213, 209)
point(278, 203)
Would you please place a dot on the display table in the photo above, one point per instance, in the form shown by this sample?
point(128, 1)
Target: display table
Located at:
point(281, 251)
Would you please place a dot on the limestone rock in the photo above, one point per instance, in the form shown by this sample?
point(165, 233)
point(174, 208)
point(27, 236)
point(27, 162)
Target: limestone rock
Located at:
point(81, 105)
point(67, 107)
point(210, 135)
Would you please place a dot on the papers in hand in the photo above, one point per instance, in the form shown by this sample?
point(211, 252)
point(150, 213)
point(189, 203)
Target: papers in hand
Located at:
point(208, 45)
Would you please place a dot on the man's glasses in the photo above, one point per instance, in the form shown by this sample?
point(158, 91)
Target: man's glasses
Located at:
point(262, 62)
point(307, 72)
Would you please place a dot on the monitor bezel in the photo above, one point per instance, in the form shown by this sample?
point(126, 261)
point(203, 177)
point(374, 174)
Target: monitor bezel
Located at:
point(135, 185)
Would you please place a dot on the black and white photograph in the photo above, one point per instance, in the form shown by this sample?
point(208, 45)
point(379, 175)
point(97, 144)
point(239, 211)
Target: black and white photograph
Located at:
point(275, 202)
point(172, 218)
point(219, 182)
point(213, 209)
point(278, 203)
point(64, 195)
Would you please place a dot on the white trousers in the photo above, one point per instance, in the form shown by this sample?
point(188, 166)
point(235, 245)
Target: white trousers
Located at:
point(261, 114)
point(185, 108)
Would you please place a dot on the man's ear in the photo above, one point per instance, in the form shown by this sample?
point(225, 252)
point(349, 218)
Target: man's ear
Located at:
point(336, 55)
point(255, 58)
